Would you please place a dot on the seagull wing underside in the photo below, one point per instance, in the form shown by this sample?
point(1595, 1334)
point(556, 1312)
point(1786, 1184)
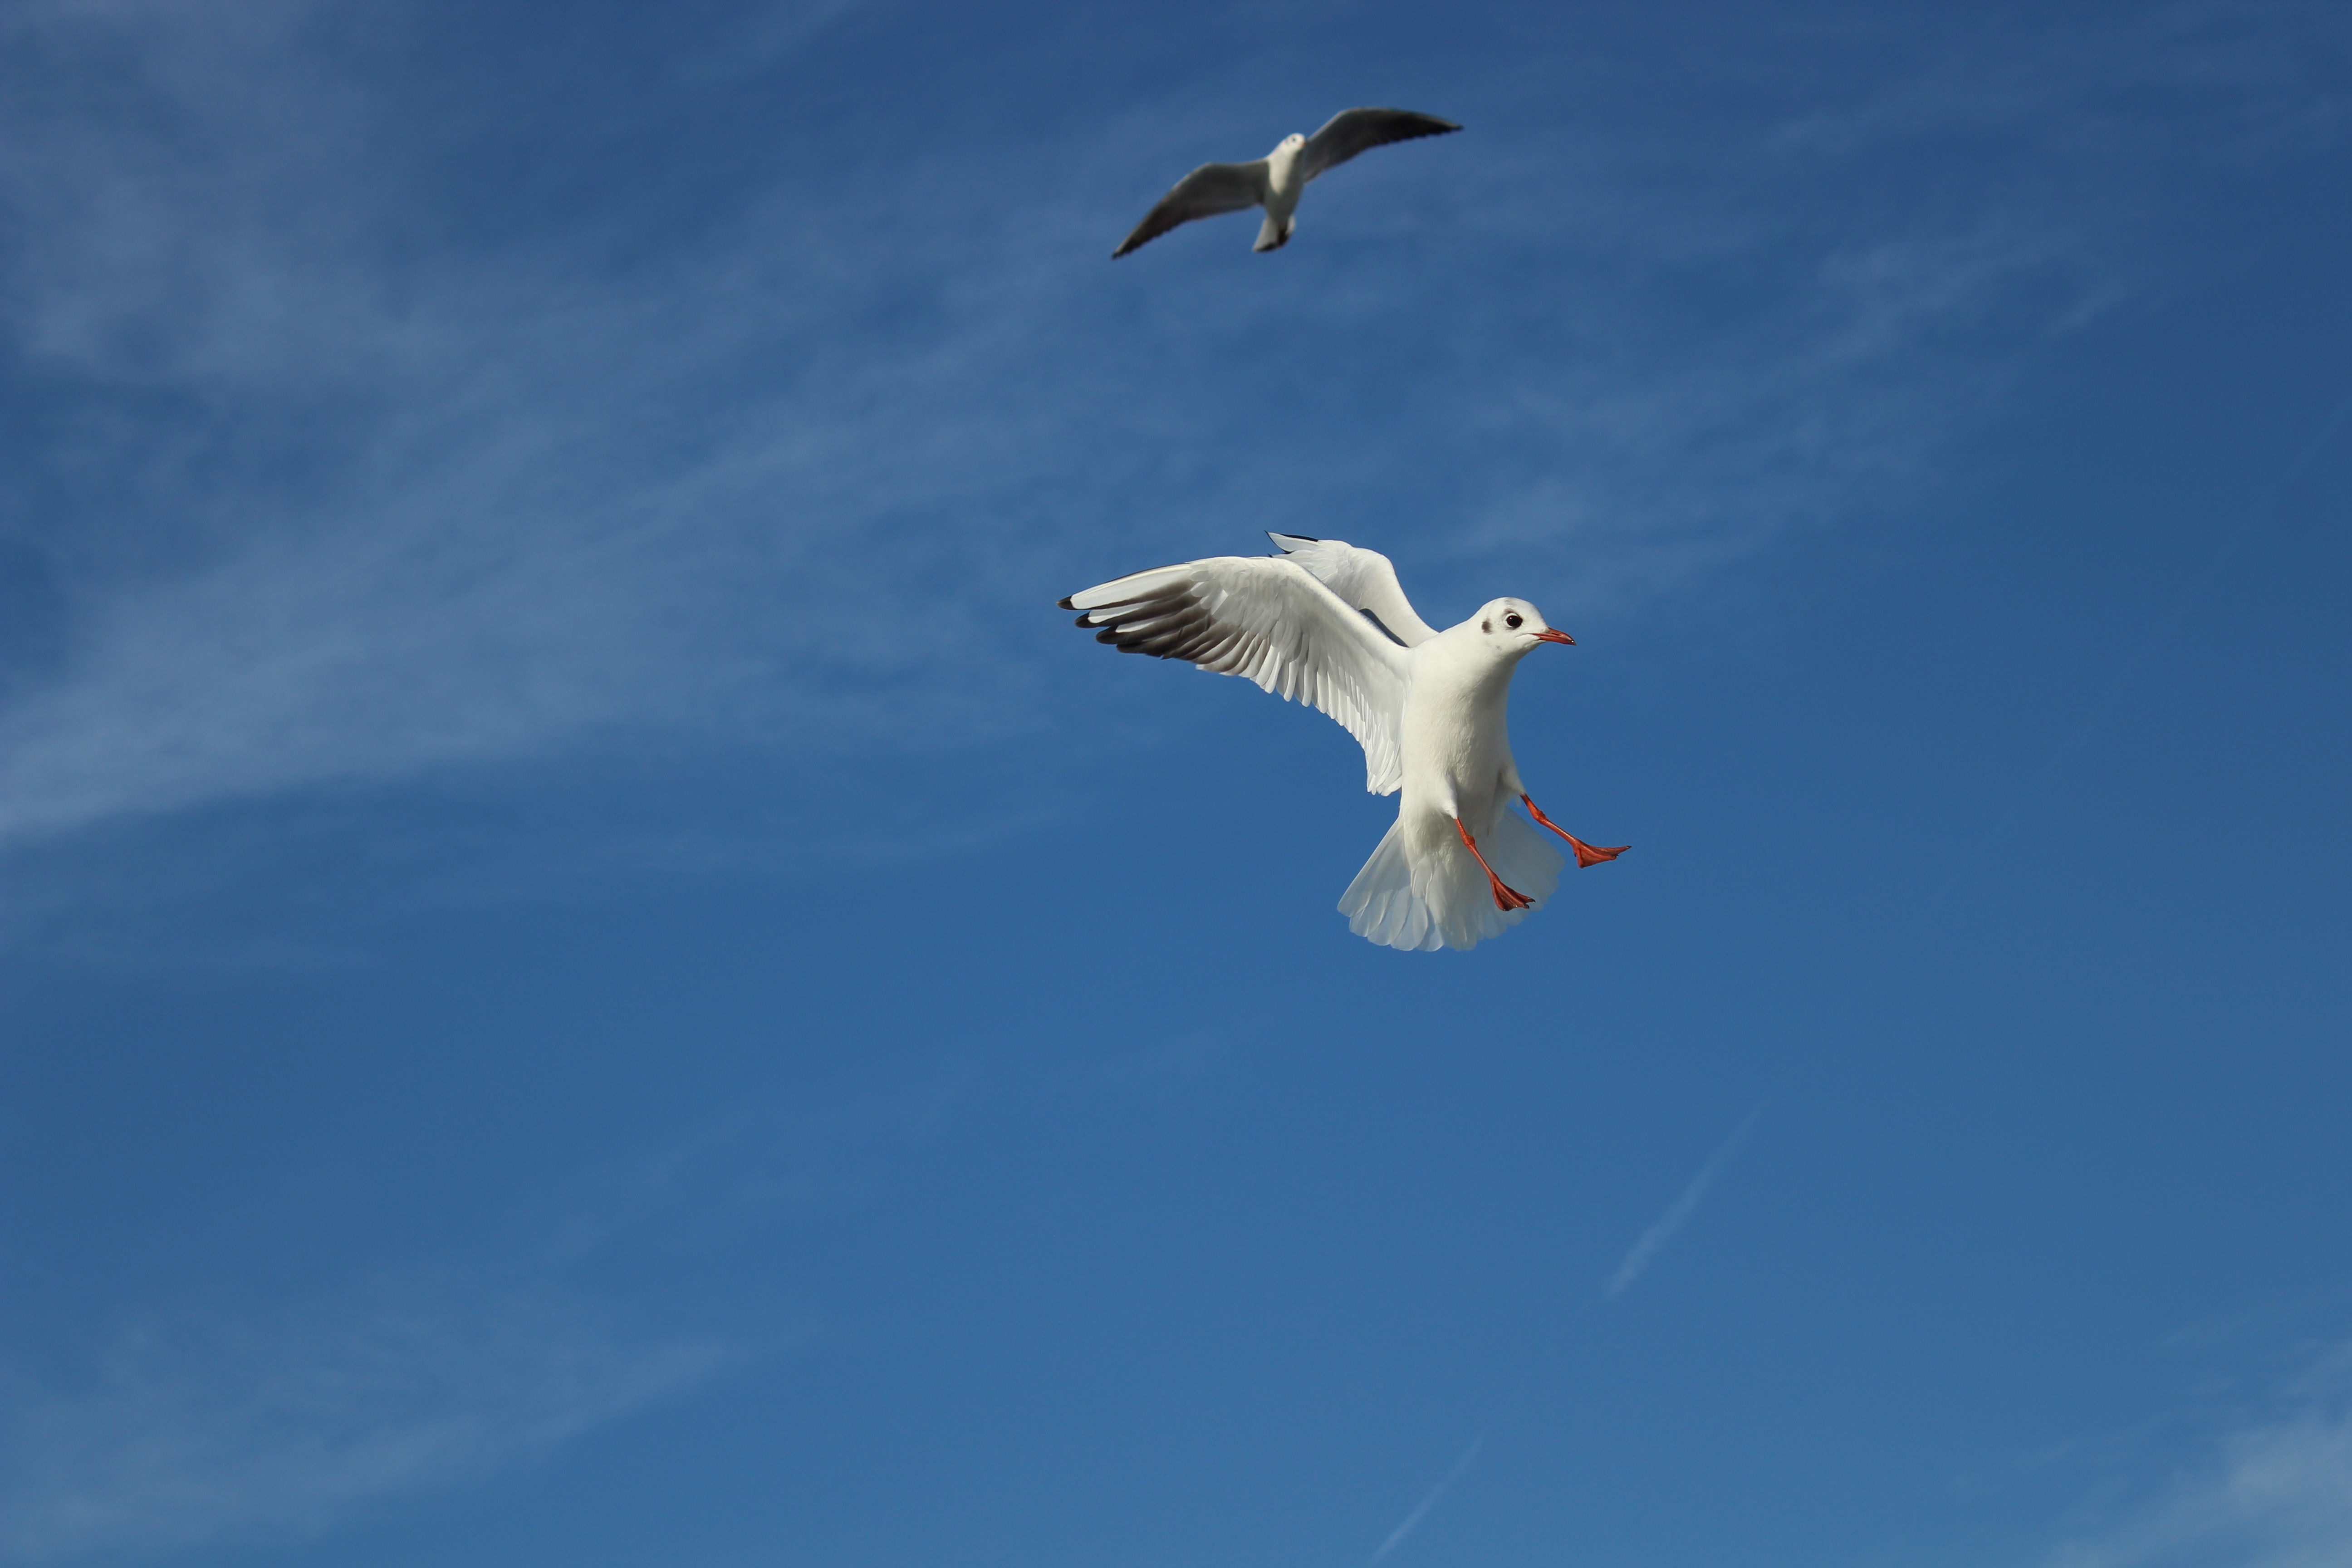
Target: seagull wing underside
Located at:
point(1267, 620)
point(1211, 189)
point(1354, 131)
point(1363, 578)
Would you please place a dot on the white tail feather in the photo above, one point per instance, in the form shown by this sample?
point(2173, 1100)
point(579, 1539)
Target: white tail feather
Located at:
point(1438, 897)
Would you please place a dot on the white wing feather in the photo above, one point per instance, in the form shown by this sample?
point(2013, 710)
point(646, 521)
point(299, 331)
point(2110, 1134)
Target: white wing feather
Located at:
point(1268, 620)
point(1363, 578)
point(1354, 131)
point(1211, 189)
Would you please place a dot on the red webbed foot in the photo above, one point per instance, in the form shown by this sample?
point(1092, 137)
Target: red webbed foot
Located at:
point(1507, 898)
point(1586, 854)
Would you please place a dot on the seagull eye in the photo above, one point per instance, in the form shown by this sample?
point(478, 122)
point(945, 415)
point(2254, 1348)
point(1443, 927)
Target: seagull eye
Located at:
point(1512, 620)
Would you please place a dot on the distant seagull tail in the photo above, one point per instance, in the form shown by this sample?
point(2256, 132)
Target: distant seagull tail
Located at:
point(1274, 233)
point(1421, 891)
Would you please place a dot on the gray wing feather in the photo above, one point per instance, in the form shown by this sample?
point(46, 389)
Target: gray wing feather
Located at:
point(1268, 620)
point(1211, 189)
point(1354, 131)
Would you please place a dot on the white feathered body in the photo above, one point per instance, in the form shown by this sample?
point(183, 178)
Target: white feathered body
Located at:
point(1285, 181)
point(1422, 888)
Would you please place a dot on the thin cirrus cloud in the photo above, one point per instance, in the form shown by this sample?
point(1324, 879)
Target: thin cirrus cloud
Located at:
point(277, 1423)
point(327, 496)
point(2273, 1490)
point(217, 1415)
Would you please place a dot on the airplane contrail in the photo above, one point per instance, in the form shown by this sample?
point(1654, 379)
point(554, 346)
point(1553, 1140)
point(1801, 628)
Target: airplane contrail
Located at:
point(1452, 1476)
point(1653, 1240)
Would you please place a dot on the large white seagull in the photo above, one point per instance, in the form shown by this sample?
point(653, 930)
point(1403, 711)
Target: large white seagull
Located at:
point(1327, 624)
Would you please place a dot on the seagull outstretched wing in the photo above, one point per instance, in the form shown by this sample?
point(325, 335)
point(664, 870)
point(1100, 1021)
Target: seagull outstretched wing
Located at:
point(1267, 620)
point(1354, 131)
point(1363, 578)
point(1211, 189)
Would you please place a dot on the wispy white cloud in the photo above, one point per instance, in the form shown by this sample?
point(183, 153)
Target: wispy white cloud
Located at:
point(211, 1413)
point(246, 1422)
point(334, 495)
point(1652, 1241)
point(2274, 1491)
point(230, 1414)
point(204, 1412)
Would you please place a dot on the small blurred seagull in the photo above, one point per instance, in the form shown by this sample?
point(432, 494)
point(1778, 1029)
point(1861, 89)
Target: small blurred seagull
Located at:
point(1277, 181)
point(1326, 622)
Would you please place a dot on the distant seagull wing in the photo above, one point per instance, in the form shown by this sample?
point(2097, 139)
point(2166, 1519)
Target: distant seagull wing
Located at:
point(1268, 620)
point(1354, 131)
point(1211, 189)
point(1363, 578)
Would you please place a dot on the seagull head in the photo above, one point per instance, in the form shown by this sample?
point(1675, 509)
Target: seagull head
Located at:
point(1512, 627)
point(1290, 143)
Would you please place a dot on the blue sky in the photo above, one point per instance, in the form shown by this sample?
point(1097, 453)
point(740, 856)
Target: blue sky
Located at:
point(589, 973)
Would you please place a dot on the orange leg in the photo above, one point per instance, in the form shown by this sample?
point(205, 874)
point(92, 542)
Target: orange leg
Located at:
point(1506, 898)
point(1586, 855)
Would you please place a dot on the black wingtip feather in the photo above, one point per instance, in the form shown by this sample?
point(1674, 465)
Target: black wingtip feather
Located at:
point(1064, 604)
point(1168, 624)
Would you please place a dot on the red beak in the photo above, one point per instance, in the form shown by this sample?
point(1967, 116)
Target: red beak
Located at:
point(1549, 636)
